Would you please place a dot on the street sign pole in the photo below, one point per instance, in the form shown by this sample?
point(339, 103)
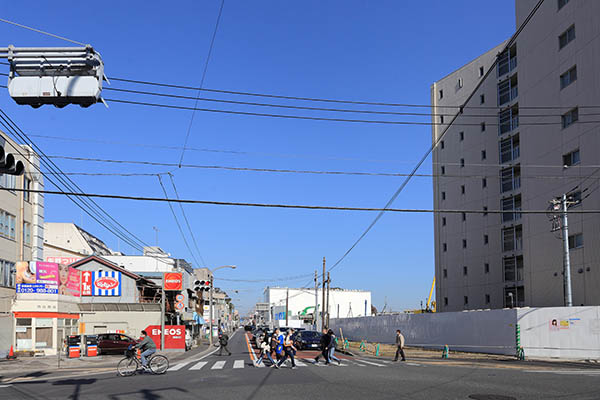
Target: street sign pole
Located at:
point(162, 315)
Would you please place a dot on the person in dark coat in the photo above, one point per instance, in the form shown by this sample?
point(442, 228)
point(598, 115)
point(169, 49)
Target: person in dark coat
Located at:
point(223, 340)
point(324, 344)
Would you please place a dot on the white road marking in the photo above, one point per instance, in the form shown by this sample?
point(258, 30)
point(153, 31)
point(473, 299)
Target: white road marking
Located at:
point(369, 362)
point(3, 386)
point(238, 364)
point(177, 367)
point(569, 372)
point(300, 363)
point(413, 364)
point(218, 365)
point(199, 365)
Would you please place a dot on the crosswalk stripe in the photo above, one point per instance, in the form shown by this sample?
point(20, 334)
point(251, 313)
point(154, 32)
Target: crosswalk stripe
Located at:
point(370, 363)
point(218, 365)
point(177, 367)
point(238, 364)
point(199, 365)
point(300, 363)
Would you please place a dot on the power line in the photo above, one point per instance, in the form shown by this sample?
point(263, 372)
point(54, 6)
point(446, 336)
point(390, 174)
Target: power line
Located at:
point(210, 49)
point(177, 220)
point(292, 206)
point(187, 222)
point(439, 139)
point(42, 32)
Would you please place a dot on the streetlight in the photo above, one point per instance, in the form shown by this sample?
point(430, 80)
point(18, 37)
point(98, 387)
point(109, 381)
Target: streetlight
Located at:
point(210, 335)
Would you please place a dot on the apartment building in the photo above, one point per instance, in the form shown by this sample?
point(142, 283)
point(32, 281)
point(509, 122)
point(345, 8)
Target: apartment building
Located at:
point(525, 136)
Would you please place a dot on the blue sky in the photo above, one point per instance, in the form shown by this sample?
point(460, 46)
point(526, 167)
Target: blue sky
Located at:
point(385, 51)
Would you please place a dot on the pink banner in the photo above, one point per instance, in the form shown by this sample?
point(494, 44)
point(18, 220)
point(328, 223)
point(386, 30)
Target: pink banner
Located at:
point(74, 282)
point(47, 273)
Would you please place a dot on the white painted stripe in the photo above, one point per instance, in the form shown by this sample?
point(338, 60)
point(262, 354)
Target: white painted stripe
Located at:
point(413, 364)
point(218, 365)
point(238, 364)
point(370, 363)
point(199, 365)
point(300, 363)
point(177, 367)
point(3, 386)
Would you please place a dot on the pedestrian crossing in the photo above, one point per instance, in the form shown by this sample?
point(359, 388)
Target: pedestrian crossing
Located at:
point(579, 372)
point(196, 365)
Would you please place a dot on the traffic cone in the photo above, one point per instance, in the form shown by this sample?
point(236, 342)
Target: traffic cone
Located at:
point(11, 353)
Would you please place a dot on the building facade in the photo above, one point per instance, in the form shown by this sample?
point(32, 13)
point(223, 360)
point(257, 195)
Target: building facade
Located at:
point(66, 243)
point(522, 139)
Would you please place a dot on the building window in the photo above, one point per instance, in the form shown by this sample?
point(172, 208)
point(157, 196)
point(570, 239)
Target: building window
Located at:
point(462, 189)
point(43, 333)
point(512, 238)
point(7, 225)
point(445, 301)
point(26, 187)
point(510, 179)
point(24, 334)
point(466, 300)
point(442, 144)
point(461, 136)
point(8, 181)
point(507, 61)
point(576, 241)
point(7, 273)
point(510, 149)
point(443, 195)
point(508, 120)
point(462, 162)
point(483, 154)
point(483, 127)
point(485, 211)
point(441, 93)
point(445, 247)
point(568, 77)
point(513, 268)
point(484, 183)
point(562, 3)
point(445, 273)
point(443, 221)
point(514, 297)
point(464, 216)
point(460, 83)
point(465, 271)
point(481, 71)
point(570, 118)
point(486, 268)
point(487, 299)
point(566, 37)
point(512, 204)
point(27, 233)
point(482, 99)
point(443, 170)
point(571, 158)
point(486, 239)
point(464, 243)
point(441, 119)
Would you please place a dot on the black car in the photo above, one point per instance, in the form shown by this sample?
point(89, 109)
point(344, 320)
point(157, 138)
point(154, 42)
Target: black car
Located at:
point(305, 340)
point(249, 328)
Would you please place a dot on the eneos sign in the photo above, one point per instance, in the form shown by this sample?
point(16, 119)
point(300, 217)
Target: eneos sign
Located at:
point(174, 336)
point(173, 281)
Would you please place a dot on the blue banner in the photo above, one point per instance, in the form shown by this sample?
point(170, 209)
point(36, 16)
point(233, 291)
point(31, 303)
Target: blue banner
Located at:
point(36, 288)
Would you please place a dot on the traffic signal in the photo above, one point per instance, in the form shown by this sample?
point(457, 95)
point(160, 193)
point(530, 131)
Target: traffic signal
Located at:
point(9, 165)
point(201, 286)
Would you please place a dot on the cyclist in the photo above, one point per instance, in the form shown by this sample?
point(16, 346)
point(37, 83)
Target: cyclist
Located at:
point(148, 348)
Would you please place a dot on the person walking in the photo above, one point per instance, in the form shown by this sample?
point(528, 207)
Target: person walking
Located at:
point(265, 352)
point(400, 345)
point(331, 347)
point(324, 344)
point(223, 340)
point(277, 345)
point(289, 349)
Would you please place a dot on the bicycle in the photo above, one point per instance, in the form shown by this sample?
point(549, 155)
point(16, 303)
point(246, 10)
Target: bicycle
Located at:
point(157, 364)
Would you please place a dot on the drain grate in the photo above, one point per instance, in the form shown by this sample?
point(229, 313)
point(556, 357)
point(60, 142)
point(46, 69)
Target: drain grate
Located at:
point(491, 397)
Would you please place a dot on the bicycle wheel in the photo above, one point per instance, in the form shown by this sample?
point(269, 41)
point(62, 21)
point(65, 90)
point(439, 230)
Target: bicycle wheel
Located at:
point(159, 364)
point(127, 367)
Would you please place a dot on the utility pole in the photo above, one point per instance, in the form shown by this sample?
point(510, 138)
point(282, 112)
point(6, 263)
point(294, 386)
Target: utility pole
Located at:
point(323, 304)
point(566, 255)
point(162, 315)
point(328, 282)
point(210, 335)
point(287, 303)
point(561, 204)
point(316, 311)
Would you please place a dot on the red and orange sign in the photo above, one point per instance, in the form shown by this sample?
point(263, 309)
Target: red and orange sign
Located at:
point(173, 281)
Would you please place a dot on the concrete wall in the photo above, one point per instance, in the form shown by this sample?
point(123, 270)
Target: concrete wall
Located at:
point(6, 327)
point(576, 334)
point(131, 322)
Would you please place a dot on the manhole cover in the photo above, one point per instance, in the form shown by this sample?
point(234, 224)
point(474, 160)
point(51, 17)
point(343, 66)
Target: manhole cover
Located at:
point(491, 397)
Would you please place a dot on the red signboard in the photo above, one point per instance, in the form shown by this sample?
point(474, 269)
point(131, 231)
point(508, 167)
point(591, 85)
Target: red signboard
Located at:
point(174, 336)
point(173, 281)
point(86, 283)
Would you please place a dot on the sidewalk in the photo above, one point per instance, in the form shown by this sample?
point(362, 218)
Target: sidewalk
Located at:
point(51, 363)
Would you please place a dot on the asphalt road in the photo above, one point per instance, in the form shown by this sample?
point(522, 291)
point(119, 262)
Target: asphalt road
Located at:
point(235, 377)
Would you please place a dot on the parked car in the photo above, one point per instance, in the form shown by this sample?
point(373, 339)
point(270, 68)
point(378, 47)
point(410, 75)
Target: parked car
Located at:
point(114, 343)
point(249, 328)
point(307, 340)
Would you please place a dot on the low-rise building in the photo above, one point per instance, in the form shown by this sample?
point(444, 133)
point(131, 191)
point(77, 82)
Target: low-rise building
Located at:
point(66, 243)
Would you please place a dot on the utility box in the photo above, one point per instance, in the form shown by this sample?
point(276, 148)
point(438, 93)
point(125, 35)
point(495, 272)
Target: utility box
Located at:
point(54, 75)
point(74, 346)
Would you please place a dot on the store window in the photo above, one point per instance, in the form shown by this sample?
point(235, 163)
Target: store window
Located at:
point(24, 334)
point(43, 333)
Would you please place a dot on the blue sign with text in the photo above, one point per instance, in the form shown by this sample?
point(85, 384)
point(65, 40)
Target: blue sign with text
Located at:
point(35, 288)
